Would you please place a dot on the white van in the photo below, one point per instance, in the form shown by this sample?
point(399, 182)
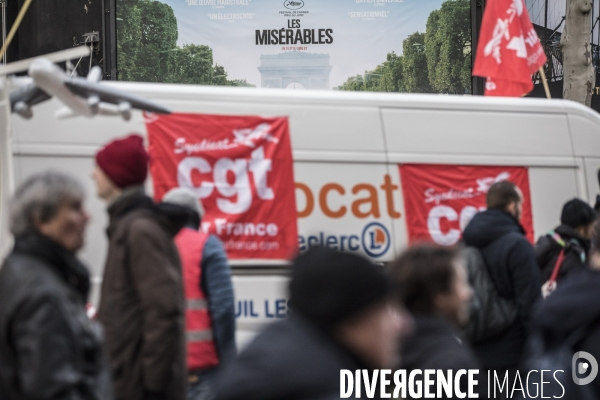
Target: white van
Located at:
point(344, 145)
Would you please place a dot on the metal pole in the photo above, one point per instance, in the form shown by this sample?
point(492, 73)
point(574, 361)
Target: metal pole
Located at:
point(477, 7)
point(3, 2)
point(546, 14)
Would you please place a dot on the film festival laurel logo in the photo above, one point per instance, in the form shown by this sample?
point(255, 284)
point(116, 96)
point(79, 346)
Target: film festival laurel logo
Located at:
point(435, 384)
point(293, 4)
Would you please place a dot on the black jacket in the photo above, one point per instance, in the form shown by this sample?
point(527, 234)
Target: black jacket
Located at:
point(510, 260)
point(435, 344)
point(547, 250)
point(289, 360)
point(573, 307)
point(49, 349)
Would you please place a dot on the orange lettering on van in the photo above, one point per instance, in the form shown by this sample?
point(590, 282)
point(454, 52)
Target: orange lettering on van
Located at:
point(389, 188)
point(372, 199)
point(323, 200)
point(310, 200)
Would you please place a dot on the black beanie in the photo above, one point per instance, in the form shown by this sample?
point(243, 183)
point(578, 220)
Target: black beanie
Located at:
point(329, 286)
point(576, 213)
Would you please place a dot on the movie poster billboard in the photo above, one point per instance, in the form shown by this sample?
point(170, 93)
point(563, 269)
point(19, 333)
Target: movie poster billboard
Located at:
point(420, 46)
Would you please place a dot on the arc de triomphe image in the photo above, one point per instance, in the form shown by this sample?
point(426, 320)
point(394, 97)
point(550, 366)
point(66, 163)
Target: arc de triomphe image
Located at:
point(295, 70)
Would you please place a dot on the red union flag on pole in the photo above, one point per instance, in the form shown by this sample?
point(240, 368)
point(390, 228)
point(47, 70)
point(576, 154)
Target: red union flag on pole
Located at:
point(509, 50)
point(241, 168)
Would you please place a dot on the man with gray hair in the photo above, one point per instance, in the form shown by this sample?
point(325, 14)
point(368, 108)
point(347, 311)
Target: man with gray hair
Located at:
point(210, 311)
point(49, 349)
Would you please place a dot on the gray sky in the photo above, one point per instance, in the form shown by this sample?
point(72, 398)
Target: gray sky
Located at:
point(360, 43)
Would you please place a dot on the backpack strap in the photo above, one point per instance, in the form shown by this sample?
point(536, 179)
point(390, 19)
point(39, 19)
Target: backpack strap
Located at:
point(572, 243)
point(560, 258)
point(556, 269)
point(557, 238)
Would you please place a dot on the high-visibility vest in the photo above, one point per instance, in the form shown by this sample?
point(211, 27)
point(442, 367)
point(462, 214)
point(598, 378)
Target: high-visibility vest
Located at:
point(201, 349)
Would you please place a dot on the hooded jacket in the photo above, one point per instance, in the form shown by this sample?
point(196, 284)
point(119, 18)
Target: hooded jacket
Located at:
point(512, 266)
point(49, 349)
point(547, 250)
point(142, 303)
point(290, 360)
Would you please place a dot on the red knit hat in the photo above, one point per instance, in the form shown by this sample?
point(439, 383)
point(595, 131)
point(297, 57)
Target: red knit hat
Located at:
point(124, 161)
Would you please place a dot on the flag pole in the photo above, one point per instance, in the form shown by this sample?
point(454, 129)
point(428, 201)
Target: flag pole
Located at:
point(545, 82)
point(14, 28)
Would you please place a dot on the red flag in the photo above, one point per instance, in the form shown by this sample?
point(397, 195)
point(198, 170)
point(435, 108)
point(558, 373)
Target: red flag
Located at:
point(509, 50)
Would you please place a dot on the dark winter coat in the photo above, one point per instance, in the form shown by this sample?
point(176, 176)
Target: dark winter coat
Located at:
point(574, 306)
point(289, 360)
point(436, 344)
point(142, 303)
point(49, 349)
point(510, 260)
point(547, 250)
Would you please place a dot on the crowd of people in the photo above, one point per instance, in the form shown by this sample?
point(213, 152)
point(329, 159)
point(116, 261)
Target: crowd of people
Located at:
point(165, 326)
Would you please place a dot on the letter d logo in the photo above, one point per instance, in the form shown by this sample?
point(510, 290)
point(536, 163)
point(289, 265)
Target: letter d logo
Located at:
point(583, 367)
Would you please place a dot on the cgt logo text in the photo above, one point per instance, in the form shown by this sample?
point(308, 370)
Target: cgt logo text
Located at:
point(374, 240)
point(464, 384)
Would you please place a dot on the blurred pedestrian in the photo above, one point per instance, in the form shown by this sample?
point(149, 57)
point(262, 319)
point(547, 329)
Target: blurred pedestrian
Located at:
point(141, 304)
point(571, 317)
point(432, 282)
point(510, 260)
point(210, 309)
point(49, 349)
point(572, 238)
point(342, 317)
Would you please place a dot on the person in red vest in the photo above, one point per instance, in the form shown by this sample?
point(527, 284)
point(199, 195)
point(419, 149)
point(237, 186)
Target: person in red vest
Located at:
point(210, 310)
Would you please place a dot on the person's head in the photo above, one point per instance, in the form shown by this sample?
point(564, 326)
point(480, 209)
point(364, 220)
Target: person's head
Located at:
point(187, 198)
point(580, 216)
point(50, 203)
point(349, 298)
point(432, 280)
point(505, 196)
point(120, 164)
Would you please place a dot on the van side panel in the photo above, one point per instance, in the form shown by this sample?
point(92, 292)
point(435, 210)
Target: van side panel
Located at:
point(258, 300)
point(592, 169)
point(550, 189)
point(348, 206)
point(312, 127)
point(586, 136)
point(498, 133)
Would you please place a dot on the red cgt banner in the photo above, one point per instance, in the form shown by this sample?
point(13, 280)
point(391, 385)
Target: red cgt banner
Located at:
point(241, 170)
point(440, 200)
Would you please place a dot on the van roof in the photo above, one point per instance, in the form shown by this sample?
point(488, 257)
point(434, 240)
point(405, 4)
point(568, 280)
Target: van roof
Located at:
point(403, 100)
